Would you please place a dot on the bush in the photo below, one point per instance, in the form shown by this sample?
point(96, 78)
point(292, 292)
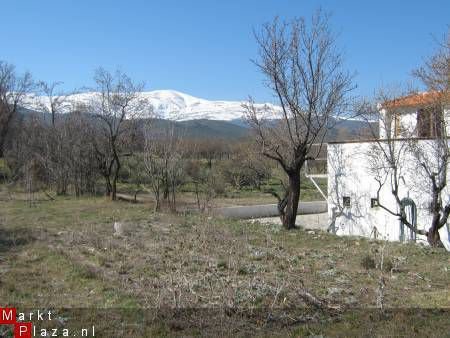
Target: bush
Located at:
point(368, 262)
point(244, 174)
point(5, 171)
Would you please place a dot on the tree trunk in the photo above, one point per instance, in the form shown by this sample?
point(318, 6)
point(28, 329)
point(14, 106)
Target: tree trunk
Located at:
point(3, 133)
point(4, 127)
point(135, 195)
point(433, 233)
point(114, 188)
point(61, 189)
point(108, 186)
point(293, 197)
point(197, 195)
point(157, 203)
point(115, 176)
point(174, 201)
point(166, 192)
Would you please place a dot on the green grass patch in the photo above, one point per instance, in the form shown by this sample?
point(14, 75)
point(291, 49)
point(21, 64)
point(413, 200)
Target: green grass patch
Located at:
point(64, 253)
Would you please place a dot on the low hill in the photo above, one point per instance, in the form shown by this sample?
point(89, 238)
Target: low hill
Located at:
point(230, 129)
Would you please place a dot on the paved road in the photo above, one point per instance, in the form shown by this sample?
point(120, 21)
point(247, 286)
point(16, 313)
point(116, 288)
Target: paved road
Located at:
point(269, 210)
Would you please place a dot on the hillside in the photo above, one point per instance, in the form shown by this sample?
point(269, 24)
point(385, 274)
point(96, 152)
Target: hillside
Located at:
point(203, 128)
point(236, 128)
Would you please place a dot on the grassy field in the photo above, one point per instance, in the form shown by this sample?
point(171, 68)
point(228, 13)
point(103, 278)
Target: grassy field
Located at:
point(194, 275)
point(231, 196)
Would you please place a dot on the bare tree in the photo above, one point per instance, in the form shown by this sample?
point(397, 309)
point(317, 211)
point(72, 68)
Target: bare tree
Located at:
point(154, 169)
point(403, 152)
point(389, 153)
point(116, 103)
point(56, 149)
point(172, 151)
point(433, 161)
point(80, 153)
point(62, 157)
point(164, 162)
point(246, 166)
point(55, 102)
point(305, 71)
point(435, 74)
point(103, 157)
point(13, 90)
point(207, 181)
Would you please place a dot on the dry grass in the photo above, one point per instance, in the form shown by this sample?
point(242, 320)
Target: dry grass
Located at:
point(64, 254)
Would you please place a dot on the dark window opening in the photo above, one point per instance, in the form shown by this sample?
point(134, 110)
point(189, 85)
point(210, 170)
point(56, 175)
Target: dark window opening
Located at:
point(429, 122)
point(374, 202)
point(346, 201)
point(397, 125)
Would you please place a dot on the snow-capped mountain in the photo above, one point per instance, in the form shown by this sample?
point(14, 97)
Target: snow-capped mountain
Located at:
point(168, 104)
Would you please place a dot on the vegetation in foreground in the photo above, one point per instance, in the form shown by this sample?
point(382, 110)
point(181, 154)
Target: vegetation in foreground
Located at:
point(190, 274)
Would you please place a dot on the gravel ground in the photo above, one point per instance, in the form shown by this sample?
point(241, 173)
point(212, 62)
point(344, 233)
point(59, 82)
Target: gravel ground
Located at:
point(315, 221)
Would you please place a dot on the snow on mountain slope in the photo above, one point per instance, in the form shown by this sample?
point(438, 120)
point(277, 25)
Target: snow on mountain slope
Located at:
point(170, 104)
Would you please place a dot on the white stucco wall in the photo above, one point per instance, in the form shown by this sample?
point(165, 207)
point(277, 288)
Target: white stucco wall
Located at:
point(350, 173)
point(408, 122)
point(447, 119)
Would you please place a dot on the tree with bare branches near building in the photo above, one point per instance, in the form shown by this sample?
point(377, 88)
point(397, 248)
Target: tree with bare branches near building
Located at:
point(303, 68)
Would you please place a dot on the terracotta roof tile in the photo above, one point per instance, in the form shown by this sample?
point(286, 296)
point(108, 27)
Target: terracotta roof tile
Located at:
point(414, 100)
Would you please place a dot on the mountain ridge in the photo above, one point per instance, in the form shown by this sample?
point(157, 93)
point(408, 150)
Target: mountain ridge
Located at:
point(198, 117)
point(168, 104)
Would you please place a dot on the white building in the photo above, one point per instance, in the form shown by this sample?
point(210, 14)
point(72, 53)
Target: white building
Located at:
point(356, 184)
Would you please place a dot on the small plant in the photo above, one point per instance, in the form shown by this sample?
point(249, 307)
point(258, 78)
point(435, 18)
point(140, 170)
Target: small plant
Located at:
point(6, 331)
point(222, 265)
point(242, 271)
point(388, 266)
point(368, 263)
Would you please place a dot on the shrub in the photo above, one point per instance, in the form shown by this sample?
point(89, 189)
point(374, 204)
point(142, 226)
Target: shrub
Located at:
point(5, 172)
point(368, 263)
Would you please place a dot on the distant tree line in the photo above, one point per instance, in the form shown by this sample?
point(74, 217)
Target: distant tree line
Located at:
point(90, 147)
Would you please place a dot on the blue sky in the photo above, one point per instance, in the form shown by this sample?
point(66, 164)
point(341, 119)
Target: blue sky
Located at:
point(204, 47)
